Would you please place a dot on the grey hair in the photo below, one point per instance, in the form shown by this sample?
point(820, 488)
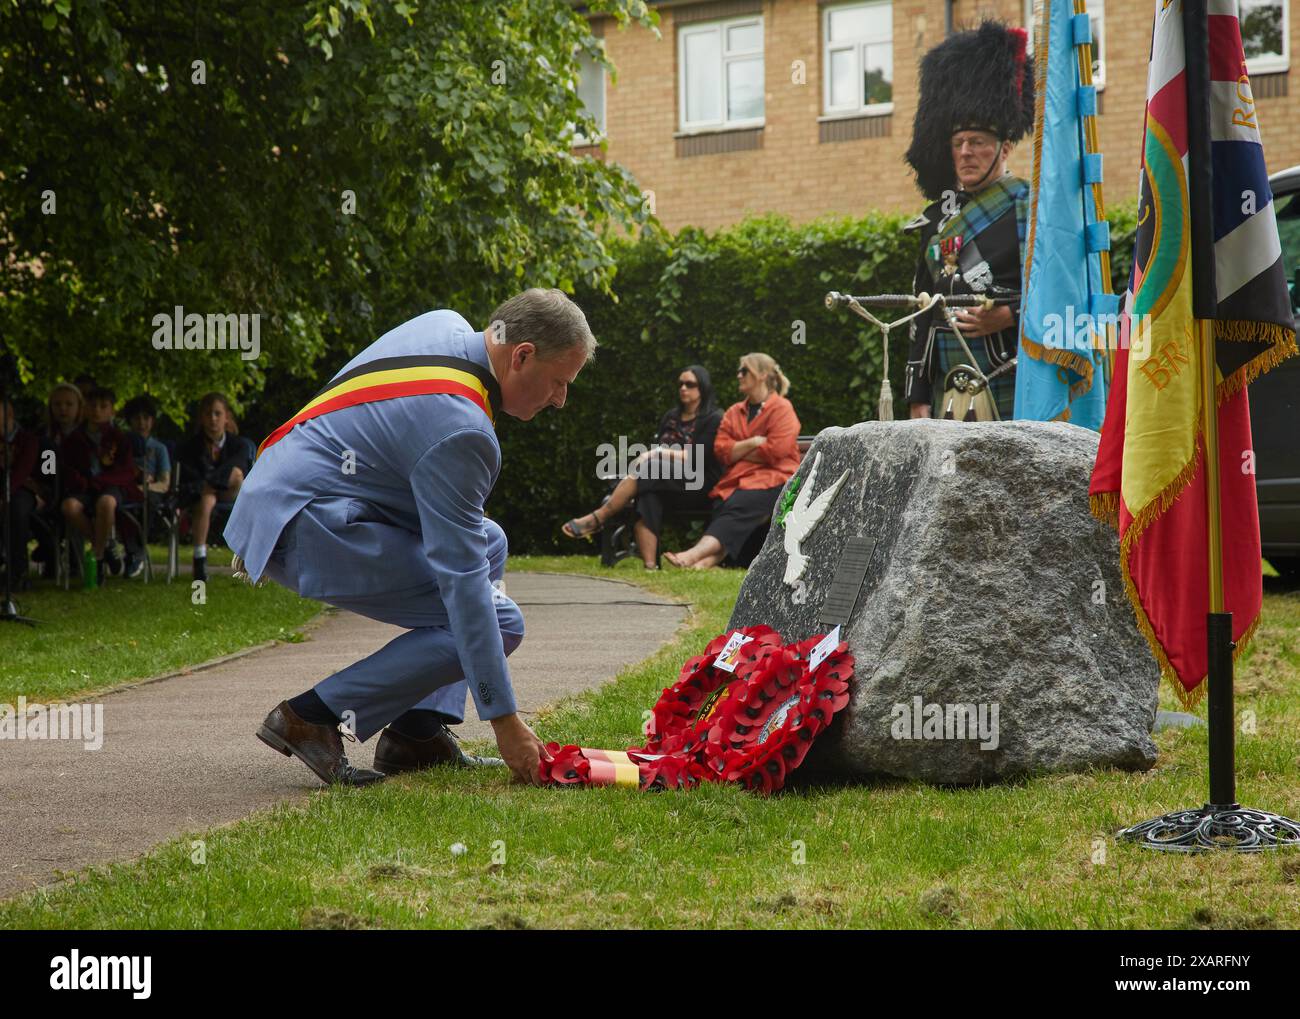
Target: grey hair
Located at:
point(547, 319)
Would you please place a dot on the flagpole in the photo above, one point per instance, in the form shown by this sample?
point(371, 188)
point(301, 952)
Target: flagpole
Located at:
point(1222, 823)
point(1210, 430)
point(1092, 146)
point(1218, 623)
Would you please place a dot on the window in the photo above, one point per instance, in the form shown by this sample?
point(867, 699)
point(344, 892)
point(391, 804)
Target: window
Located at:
point(1097, 13)
point(859, 64)
point(1287, 209)
point(721, 74)
point(591, 90)
point(1264, 31)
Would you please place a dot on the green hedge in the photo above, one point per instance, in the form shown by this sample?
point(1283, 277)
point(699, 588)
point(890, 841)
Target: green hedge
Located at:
point(709, 298)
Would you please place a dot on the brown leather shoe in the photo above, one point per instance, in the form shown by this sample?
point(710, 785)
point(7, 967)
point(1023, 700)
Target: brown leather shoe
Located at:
point(320, 747)
point(396, 753)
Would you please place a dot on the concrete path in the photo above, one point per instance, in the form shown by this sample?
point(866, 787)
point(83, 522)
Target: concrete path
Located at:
point(179, 754)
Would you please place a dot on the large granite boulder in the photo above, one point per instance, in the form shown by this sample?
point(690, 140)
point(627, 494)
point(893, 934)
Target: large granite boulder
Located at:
point(992, 634)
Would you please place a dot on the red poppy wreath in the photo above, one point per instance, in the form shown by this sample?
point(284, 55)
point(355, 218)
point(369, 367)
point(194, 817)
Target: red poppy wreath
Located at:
point(763, 731)
point(745, 711)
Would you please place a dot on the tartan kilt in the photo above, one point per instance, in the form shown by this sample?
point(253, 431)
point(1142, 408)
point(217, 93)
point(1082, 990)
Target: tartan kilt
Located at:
point(949, 354)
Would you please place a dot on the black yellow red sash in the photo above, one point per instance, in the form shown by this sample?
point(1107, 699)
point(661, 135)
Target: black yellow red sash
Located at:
point(391, 377)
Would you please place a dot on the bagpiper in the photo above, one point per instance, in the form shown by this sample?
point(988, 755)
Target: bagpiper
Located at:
point(976, 102)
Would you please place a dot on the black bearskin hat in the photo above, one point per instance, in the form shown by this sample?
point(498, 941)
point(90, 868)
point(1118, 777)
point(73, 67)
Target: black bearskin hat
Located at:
point(978, 79)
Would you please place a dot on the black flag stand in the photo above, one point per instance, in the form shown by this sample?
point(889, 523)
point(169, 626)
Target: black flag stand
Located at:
point(1222, 823)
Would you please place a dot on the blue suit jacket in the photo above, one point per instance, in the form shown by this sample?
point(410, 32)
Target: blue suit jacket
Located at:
point(423, 464)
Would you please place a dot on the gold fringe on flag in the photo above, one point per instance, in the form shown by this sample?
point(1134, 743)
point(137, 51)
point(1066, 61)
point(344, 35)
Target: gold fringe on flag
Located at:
point(1148, 513)
point(1105, 507)
point(1080, 387)
point(1281, 342)
point(1101, 502)
point(1187, 698)
point(1070, 359)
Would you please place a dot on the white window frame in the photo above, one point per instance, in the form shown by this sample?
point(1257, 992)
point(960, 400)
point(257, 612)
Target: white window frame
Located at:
point(578, 137)
point(1097, 12)
point(721, 27)
point(1270, 64)
point(861, 109)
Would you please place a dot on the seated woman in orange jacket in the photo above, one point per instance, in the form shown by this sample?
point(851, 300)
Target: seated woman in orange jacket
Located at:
point(758, 441)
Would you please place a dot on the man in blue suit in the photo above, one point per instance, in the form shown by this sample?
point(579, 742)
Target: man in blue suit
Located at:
point(371, 499)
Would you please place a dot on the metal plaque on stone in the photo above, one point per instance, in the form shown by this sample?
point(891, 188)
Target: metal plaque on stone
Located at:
point(846, 585)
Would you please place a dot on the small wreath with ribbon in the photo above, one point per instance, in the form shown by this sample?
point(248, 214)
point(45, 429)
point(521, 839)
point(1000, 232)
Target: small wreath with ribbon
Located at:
point(574, 765)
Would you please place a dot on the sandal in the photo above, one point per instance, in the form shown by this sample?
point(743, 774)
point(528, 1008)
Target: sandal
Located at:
point(574, 529)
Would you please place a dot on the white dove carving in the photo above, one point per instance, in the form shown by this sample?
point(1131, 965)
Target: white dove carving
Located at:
point(802, 518)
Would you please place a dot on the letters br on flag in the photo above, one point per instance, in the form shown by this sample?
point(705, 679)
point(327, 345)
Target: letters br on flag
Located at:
point(1207, 247)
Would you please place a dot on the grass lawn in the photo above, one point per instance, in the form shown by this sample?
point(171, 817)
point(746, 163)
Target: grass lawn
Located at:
point(91, 641)
point(218, 555)
point(1032, 854)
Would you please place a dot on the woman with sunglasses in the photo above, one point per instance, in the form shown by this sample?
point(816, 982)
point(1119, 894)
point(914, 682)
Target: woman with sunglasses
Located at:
point(759, 441)
point(681, 479)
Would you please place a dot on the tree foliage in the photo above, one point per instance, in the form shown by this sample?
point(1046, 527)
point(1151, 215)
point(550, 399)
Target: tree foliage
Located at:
point(333, 167)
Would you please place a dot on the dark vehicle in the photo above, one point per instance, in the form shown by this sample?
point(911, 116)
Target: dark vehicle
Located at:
point(1275, 408)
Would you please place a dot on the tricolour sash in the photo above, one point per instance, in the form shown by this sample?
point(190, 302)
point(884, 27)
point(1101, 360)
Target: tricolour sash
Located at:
point(391, 377)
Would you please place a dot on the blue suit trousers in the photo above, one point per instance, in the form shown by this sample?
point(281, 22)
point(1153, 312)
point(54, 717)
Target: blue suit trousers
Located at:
point(418, 669)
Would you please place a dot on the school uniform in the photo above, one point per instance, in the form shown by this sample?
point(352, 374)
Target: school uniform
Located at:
point(99, 463)
point(201, 463)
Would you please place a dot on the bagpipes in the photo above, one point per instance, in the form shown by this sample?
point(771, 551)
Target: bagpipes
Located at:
point(966, 395)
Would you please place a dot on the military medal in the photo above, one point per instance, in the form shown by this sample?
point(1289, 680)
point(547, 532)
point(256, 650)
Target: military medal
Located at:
point(947, 251)
point(951, 248)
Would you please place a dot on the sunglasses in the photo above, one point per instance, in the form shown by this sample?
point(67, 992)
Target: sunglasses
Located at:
point(742, 370)
point(688, 385)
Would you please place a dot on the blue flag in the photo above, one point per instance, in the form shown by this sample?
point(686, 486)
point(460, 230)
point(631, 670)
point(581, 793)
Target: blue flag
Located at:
point(1064, 364)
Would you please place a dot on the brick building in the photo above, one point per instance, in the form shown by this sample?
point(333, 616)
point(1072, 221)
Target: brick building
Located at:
point(805, 108)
